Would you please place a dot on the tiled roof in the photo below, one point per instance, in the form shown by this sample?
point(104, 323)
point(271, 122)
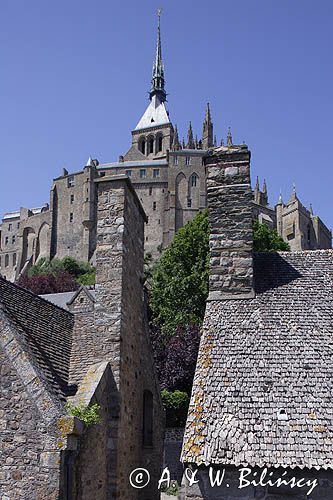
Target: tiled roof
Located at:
point(45, 328)
point(263, 386)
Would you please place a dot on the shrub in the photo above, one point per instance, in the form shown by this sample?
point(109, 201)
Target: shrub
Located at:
point(88, 414)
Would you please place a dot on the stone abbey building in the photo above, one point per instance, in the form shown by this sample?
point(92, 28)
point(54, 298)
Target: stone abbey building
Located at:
point(169, 177)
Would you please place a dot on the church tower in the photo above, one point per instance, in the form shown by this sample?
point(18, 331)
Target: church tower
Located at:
point(153, 135)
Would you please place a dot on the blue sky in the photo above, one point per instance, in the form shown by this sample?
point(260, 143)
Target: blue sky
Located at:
point(75, 76)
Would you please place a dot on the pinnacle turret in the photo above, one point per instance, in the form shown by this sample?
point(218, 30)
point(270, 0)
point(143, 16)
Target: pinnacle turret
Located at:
point(190, 140)
point(229, 138)
point(207, 130)
point(175, 143)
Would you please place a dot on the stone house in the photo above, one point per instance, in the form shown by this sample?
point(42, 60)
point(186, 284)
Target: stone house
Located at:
point(98, 351)
point(262, 392)
point(169, 177)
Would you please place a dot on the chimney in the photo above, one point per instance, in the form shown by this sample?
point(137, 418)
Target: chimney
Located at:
point(229, 199)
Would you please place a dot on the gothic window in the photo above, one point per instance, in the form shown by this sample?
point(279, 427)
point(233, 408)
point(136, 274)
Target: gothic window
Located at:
point(142, 146)
point(189, 203)
point(10, 227)
point(187, 160)
point(71, 217)
point(156, 172)
point(6, 240)
point(70, 181)
point(72, 199)
point(14, 259)
point(142, 173)
point(151, 145)
point(150, 191)
point(128, 173)
point(175, 160)
point(147, 418)
point(154, 205)
point(6, 260)
point(13, 240)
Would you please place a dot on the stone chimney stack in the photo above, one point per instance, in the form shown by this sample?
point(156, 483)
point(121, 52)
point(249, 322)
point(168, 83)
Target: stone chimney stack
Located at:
point(229, 199)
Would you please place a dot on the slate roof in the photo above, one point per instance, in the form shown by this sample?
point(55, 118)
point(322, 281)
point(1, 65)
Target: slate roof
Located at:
point(263, 385)
point(45, 329)
point(154, 116)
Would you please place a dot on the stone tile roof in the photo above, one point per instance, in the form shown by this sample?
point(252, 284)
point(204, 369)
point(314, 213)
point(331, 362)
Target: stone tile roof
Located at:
point(263, 385)
point(46, 330)
point(62, 299)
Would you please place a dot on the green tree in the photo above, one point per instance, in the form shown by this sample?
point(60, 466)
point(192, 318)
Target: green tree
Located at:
point(179, 282)
point(267, 240)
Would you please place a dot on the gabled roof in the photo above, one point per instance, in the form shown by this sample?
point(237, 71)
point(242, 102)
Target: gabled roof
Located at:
point(45, 329)
point(154, 116)
point(262, 392)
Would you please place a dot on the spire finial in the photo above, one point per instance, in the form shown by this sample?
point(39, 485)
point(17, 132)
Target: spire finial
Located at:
point(264, 188)
point(157, 82)
point(280, 200)
point(311, 209)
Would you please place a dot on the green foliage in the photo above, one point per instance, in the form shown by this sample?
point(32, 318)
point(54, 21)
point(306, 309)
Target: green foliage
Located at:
point(87, 278)
point(88, 414)
point(267, 240)
point(83, 272)
point(179, 282)
point(176, 406)
point(173, 489)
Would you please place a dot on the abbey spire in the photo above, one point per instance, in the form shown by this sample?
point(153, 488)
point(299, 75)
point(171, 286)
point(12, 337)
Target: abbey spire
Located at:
point(158, 82)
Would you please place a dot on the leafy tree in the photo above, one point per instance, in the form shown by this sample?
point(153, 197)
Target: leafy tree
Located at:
point(175, 357)
point(176, 407)
point(179, 284)
point(49, 282)
point(267, 240)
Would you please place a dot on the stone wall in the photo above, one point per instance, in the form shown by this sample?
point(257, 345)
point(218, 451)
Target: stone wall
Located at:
point(173, 441)
point(230, 201)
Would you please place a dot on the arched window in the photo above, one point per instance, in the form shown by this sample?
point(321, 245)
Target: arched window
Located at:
point(150, 145)
point(142, 145)
point(159, 143)
point(194, 180)
point(148, 411)
point(6, 260)
point(14, 259)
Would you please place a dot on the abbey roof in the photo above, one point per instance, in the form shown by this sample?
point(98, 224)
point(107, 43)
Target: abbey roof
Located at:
point(263, 385)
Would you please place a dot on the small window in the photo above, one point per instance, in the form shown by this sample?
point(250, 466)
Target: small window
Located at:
point(14, 259)
point(156, 173)
point(194, 180)
point(13, 239)
point(154, 205)
point(10, 227)
point(175, 160)
point(128, 173)
point(160, 143)
point(187, 160)
point(18, 225)
point(150, 191)
point(6, 240)
point(189, 202)
point(6, 260)
point(71, 217)
point(142, 173)
point(70, 181)
point(72, 199)
point(0, 260)
point(148, 414)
